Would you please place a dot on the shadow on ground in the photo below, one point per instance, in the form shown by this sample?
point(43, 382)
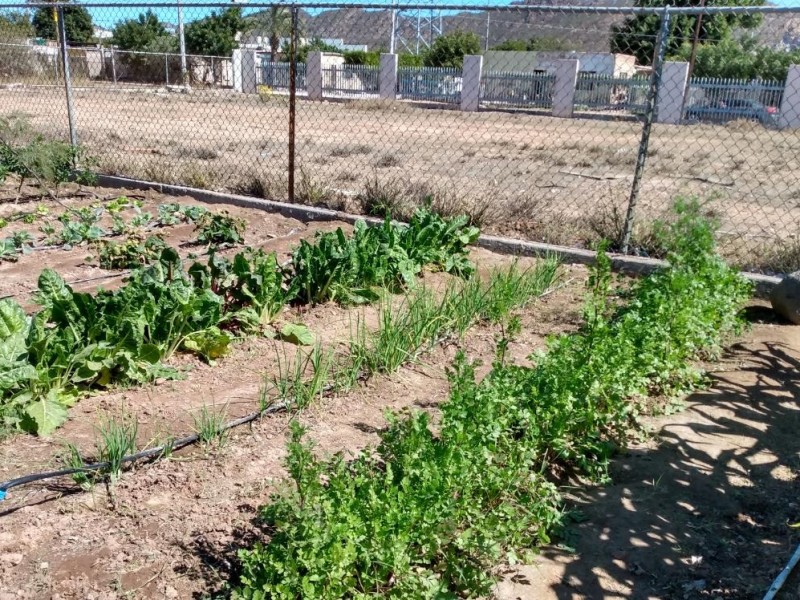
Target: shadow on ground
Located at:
point(703, 510)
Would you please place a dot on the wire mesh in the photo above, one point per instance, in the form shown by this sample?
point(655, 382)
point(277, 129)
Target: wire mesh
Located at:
point(544, 137)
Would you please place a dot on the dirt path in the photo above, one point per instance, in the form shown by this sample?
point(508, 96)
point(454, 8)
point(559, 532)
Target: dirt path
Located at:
point(702, 511)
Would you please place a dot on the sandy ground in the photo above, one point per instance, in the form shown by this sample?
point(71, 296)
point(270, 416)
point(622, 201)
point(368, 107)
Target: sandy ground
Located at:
point(708, 499)
point(531, 175)
point(704, 509)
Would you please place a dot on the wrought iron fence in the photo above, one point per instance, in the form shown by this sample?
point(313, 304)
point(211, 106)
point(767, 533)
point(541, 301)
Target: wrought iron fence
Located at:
point(429, 83)
point(604, 92)
point(358, 80)
point(533, 90)
point(277, 75)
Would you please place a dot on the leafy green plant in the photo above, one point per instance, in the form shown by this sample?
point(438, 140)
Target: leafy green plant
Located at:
point(219, 229)
point(347, 270)
point(8, 250)
point(134, 252)
point(251, 286)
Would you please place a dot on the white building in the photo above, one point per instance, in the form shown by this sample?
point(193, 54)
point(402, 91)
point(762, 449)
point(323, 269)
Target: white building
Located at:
point(596, 63)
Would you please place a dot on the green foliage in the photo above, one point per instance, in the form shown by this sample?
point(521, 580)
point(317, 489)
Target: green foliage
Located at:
point(30, 155)
point(536, 44)
point(77, 24)
point(276, 22)
point(15, 26)
point(219, 229)
point(215, 35)
point(347, 270)
point(315, 45)
point(430, 516)
point(209, 426)
point(130, 254)
point(300, 380)
point(139, 34)
point(406, 59)
point(362, 57)
point(250, 287)
point(116, 439)
point(743, 58)
point(449, 50)
point(637, 35)
point(79, 341)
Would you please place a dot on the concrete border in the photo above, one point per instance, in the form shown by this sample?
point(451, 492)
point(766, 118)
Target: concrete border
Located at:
point(633, 265)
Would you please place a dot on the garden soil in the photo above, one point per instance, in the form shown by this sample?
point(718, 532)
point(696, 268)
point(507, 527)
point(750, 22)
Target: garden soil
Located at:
point(701, 508)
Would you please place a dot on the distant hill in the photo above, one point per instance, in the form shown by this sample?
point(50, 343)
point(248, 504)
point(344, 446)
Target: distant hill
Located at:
point(373, 27)
point(587, 32)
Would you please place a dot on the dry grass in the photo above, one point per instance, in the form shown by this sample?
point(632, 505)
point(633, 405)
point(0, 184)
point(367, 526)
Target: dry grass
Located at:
point(533, 176)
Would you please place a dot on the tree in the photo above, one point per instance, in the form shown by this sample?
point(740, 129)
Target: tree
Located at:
point(315, 45)
point(77, 24)
point(143, 34)
point(15, 26)
point(742, 58)
point(16, 59)
point(536, 44)
point(637, 35)
point(449, 50)
point(215, 35)
point(406, 59)
point(276, 23)
point(362, 57)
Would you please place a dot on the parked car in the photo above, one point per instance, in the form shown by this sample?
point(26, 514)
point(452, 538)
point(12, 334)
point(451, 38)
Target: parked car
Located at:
point(722, 111)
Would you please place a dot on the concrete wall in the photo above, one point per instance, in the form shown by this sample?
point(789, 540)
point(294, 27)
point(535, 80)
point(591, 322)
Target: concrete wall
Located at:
point(601, 63)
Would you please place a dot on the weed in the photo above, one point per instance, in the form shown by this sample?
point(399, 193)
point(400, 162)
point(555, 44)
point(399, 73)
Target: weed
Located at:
point(348, 151)
point(263, 186)
point(201, 153)
point(312, 192)
point(388, 160)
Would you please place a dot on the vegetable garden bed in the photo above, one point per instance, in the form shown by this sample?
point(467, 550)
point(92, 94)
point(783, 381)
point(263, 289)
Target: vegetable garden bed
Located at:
point(172, 528)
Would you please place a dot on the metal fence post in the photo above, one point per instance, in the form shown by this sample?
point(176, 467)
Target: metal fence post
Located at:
point(62, 34)
point(113, 65)
point(292, 98)
point(641, 158)
point(166, 68)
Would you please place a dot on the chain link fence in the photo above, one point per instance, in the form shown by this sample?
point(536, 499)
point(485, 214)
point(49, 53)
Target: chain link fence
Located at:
point(561, 124)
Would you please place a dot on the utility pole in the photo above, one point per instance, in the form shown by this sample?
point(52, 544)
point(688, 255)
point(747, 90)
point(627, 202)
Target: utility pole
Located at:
point(488, 22)
point(182, 41)
point(394, 29)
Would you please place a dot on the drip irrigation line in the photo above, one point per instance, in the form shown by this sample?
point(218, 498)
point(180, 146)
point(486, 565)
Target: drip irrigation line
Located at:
point(783, 576)
point(178, 444)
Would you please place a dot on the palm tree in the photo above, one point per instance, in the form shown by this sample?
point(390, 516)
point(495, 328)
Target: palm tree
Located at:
point(276, 23)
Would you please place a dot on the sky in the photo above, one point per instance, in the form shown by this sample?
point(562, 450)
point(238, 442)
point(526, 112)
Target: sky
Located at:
point(108, 17)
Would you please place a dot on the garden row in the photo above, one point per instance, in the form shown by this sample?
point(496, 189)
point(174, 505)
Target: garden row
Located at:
point(80, 341)
point(141, 245)
point(430, 515)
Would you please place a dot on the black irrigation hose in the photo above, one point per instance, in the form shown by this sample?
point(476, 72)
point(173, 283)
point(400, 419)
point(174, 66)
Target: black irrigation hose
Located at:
point(149, 453)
